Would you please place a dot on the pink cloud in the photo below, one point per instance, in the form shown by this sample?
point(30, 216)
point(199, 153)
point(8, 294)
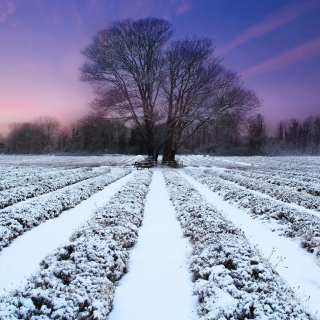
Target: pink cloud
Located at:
point(298, 54)
point(77, 17)
point(6, 9)
point(277, 19)
point(183, 7)
point(5, 124)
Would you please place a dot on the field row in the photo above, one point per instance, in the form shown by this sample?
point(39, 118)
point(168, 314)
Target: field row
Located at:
point(303, 169)
point(231, 278)
point(77, 280)
point(47, 183)
point(291, 222)
point(307, 185)
point(54, 162)
point(226, 266)
point(283, 193)
point(16, 220)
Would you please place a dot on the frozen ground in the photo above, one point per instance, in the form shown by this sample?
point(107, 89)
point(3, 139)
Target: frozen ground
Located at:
point(158, 284)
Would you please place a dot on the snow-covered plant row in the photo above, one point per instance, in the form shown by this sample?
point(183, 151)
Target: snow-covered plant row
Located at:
point(309, 165)
point(34, 175)
point(16, 220)
point(12, 175)
point(298, 184)
point(68, 161)
point(284, 194)
point(48, 183)
point(203, 161)
point(77, 281)
point(296, 175)
point(291, 222)
point(232, 280)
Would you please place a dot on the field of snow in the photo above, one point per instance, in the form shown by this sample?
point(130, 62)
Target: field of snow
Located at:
point(220, 238)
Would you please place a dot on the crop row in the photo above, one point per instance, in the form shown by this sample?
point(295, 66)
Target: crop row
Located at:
point(292, 222)
point(47, 184)
point(309, 165)
point(28, 176)
point(13, 173)
point(299, 184)
point(232, 280)
point(284, 194)
point(305, 177)
point(17, 220)
point(77, 281)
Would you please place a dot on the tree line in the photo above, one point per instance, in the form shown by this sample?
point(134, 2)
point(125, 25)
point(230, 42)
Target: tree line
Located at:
point(230, 135)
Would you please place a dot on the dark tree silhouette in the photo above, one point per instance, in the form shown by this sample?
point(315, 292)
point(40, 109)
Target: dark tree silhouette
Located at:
point(141, 82)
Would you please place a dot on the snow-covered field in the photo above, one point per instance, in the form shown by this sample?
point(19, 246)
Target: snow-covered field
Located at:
point(221, 238)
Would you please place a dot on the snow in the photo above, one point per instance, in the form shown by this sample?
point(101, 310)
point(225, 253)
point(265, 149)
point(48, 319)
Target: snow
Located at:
point(22, 257)
point(83, 269)
point(296, 266)
point(158, 285)
point(77, 280)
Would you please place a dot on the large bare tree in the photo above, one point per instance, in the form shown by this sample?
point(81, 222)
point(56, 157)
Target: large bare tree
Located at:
point(198, 90)
point(127, 68)
point(180, 87)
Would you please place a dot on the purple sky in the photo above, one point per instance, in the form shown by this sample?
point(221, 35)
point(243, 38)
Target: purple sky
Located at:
point(273, 44)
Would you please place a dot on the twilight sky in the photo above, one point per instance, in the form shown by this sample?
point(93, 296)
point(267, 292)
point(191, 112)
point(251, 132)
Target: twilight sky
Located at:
point(273, 44)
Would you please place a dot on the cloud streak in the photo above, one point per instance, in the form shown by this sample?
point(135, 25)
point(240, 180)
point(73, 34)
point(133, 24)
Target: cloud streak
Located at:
point(272, 22)
point(183, 7)
point(298, 54)
point(6, 9)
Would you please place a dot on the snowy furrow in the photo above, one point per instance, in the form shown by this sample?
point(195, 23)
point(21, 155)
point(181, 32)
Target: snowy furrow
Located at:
point(232, 280)
point(158, 285)
point(16, 220)
point(284, 194)
point(298, 268)
point(289, 221)
point(77, 281)
point(48, 183)
point(298, 185)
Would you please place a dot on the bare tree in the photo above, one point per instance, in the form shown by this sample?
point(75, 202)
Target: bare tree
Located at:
point(256, 131)
point(198, 90)
point(127, 67)
point(24, 138)
point(183, 87)
point(94, 133)
point(33, 137)
point(48, 129)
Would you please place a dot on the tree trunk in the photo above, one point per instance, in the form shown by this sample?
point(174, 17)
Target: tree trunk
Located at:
point(168, 151)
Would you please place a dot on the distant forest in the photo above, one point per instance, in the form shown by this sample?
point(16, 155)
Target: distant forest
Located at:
point(229, 135)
